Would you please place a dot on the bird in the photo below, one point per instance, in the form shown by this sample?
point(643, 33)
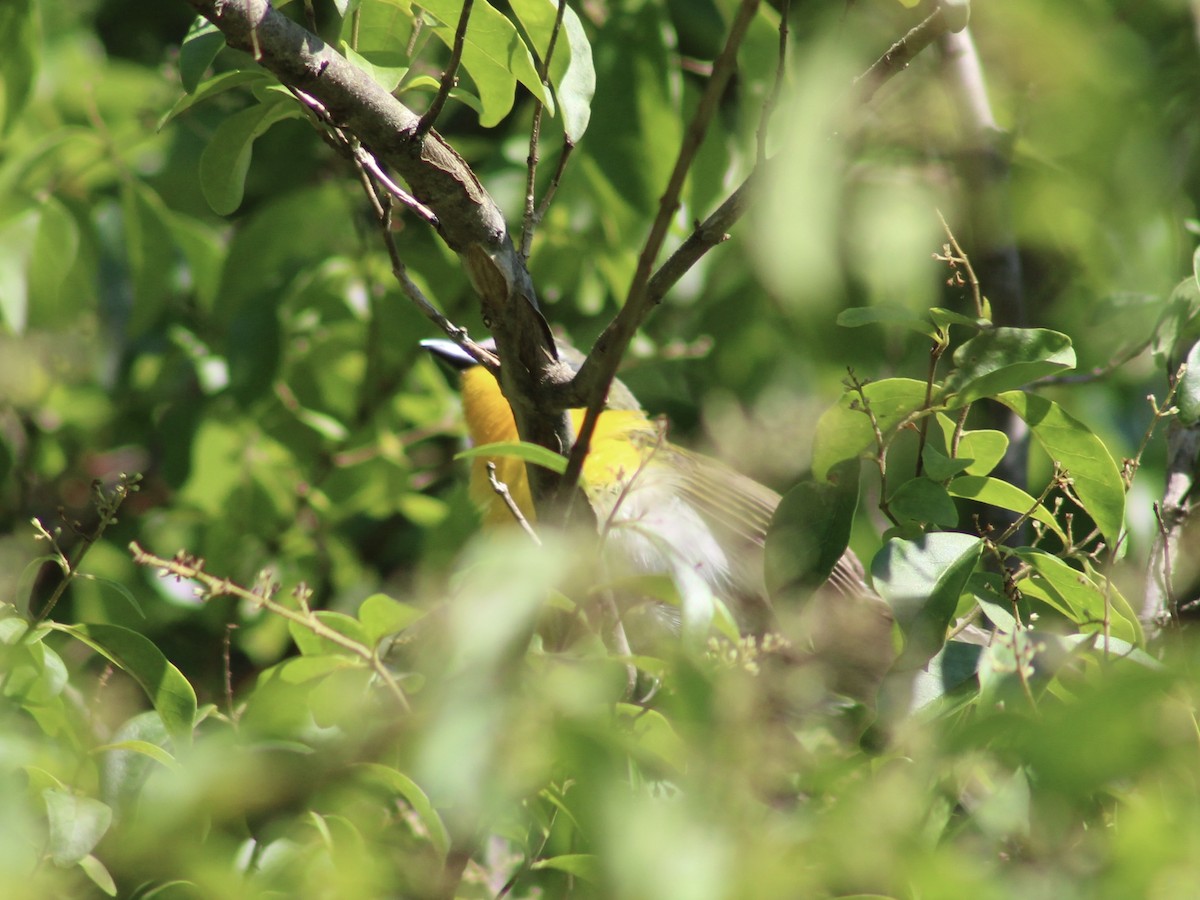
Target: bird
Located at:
point(663, 509)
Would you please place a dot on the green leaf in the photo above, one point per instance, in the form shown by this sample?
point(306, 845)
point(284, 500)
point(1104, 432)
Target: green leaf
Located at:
point(1077, 596)
point(18, 236)
point(387, 69)
point(76, 825)
point(844, 432)
point(218, 84)
point(922, 580)
point(651, 733)
point(415, 797)
point(426, 82)
point(1187, 392)
point(1000, 359)
point(531, 453)
point(200, 47)
point(226, 160)
point(311, 644)
point(858, 316)
point(938, 465)
point(950, 668)
point(381, 616)
point(494, 55)
point(169, 692)
point(925, 501)
point(998, 493)
point(810, 530)
point(99, 875)
point(980, 450)
point(571, 70)
point(20, 43)
point(150, 252)
point(1096, 478)
point(944, 318)
point(581, 865)
point(155, 752)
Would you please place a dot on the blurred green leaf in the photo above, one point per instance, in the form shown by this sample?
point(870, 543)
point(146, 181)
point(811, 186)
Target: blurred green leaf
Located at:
point(581, 865)
point(859, 316)
point(401, 784)
point(811, 530)
point(168, 690)
point(20, 56)
point(226, 159)
point(381, 616)
point(312, 644)
point(531, 453)
point(76, 825)
point(200, 47)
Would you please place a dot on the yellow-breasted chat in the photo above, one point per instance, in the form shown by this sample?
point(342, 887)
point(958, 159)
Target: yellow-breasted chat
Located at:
point(665, 510)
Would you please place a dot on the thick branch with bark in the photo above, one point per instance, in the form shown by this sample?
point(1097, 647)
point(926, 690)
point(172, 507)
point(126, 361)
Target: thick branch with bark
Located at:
point(468, 218)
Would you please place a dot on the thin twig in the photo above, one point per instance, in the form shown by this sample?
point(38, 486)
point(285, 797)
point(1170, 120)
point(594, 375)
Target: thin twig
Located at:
point(600, 367)
point(535, 131)
point(449, 77)
point(505, 494)
point(186, 566)
point(107, 504)
point(954, 254)
point(367, 161)
point(900, 54)
point(568, 148)
point(773, 95)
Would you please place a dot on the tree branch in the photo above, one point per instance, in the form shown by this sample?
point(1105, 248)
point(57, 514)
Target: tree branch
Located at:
point(468, 218)
point(598, 370)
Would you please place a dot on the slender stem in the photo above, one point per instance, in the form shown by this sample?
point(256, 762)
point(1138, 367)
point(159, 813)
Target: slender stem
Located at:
point(773, 96)
point(535, 131)
point(191, 568)
point(600, 367)
point(900, 54)
point(505, 494)
point(449, 77)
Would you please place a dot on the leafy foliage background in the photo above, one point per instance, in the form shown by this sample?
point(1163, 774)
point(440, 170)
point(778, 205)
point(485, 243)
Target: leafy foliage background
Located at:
point(261, 370)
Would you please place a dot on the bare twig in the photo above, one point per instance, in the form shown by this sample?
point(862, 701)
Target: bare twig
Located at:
point(900, 54)
point(953, 255)
point(449, 77)
point(776, 86)
point(368, 162)
point(107, 504)
point(505, 494)
point(535, 131)
point(189, 567)
point(600, 367)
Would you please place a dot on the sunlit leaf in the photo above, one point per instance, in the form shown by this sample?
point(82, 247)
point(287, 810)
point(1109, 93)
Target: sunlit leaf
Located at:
point(1001, 494)
point(1000, 359)
point(381, 616)
point(531, 453)
point(922, 580)
point(1096, 478)
point(76, 825)
point(844, 431)
point(168, 690)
